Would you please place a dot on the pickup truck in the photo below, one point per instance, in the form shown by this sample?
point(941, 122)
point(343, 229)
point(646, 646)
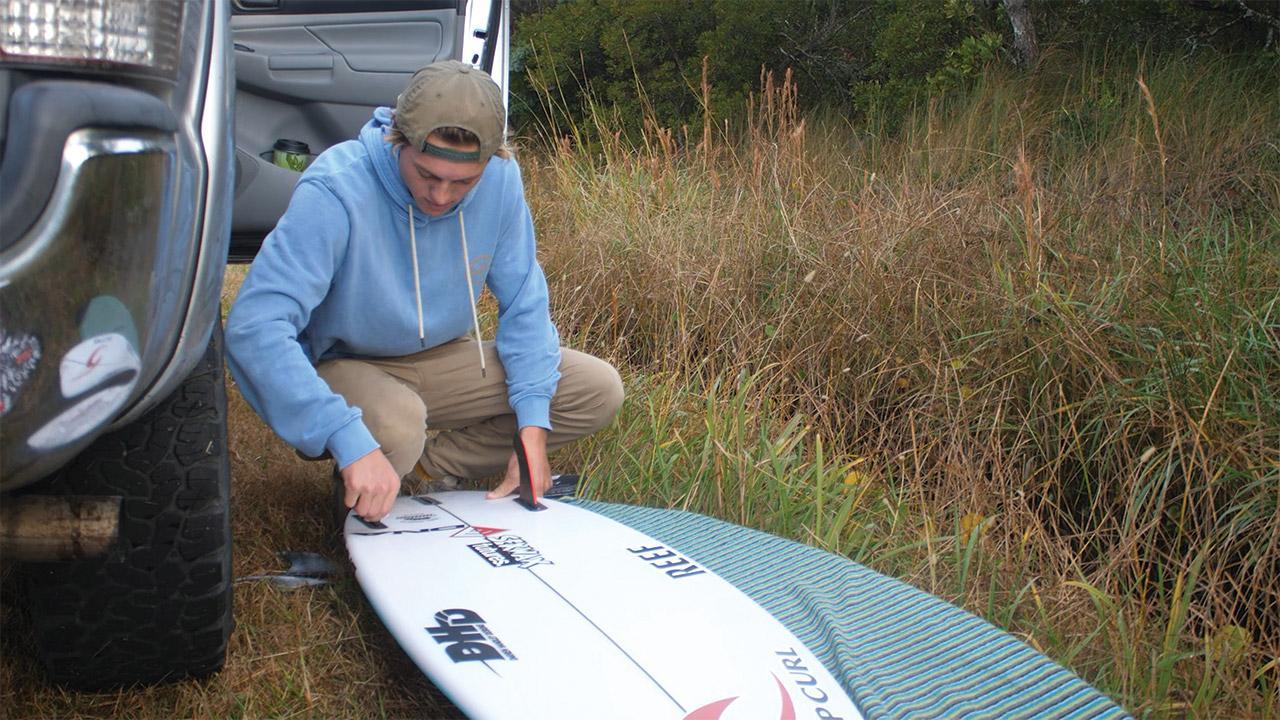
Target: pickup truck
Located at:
point(136, 158)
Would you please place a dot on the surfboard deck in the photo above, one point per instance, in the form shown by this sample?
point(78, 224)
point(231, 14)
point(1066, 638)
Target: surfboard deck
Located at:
point(564, 613)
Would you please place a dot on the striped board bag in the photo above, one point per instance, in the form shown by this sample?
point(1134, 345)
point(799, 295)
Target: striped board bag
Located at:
point(899, 652)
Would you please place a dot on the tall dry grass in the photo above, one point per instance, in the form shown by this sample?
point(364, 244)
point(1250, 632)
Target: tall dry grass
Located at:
point(1024, 353)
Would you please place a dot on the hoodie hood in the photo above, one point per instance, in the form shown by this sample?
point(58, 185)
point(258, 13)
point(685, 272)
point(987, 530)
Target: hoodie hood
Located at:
point(385, 158)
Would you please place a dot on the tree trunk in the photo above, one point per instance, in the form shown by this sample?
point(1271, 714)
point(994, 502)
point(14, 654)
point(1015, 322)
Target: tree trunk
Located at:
point(1024, 32)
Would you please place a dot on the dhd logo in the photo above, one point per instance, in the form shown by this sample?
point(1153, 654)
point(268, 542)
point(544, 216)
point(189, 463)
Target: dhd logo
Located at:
point(466, 638)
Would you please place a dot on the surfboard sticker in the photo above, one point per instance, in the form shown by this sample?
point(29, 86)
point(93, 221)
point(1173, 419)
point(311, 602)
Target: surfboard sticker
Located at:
point(81, 418)
point(94, 361)
point(97, 377)
point(19, 356)
point(565, 613)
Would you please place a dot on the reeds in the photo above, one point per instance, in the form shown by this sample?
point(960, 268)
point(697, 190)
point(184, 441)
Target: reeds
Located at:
point(1025, 353)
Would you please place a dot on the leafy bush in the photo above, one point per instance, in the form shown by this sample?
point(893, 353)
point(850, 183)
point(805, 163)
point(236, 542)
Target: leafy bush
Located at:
point(638, 61)
point(643, 59)
point(965, 62)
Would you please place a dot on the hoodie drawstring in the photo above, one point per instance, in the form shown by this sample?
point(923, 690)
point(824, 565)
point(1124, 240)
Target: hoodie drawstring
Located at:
point(466, 270)
point(471, 292)
point(417, 279)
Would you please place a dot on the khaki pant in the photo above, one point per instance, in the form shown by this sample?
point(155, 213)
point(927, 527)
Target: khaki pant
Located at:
point(404, 399)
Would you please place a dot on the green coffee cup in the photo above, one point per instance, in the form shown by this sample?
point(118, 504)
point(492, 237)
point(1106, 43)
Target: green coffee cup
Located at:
point(292, 154)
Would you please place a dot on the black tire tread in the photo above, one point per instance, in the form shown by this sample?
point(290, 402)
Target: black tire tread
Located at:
point(158, 606)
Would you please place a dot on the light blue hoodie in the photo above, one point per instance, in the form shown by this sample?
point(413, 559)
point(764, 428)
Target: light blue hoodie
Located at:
point(336, 278)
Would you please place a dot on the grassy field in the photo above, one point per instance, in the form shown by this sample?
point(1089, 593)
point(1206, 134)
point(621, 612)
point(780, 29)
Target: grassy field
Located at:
point(1024, 354)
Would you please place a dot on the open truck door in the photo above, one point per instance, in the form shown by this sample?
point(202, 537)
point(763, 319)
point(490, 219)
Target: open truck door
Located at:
point(309, 73)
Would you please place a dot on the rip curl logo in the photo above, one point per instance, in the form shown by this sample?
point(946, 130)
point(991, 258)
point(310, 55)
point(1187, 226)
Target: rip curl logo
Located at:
point(466, 638)
point(806, 682)
point(714, 710)
point(480, 265)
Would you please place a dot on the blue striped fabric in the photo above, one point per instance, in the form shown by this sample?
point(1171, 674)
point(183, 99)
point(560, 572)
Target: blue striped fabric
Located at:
point(900, 652)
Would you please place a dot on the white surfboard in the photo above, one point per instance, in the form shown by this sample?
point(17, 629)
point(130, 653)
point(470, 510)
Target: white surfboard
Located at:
point(564, 614)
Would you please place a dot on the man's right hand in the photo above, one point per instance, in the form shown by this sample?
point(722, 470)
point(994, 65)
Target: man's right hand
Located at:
point(371, 486)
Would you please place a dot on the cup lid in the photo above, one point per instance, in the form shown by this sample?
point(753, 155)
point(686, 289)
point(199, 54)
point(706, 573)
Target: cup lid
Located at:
point(292, 146)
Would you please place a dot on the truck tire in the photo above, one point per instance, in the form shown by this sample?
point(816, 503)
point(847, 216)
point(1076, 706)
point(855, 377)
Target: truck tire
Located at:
point(157, 606)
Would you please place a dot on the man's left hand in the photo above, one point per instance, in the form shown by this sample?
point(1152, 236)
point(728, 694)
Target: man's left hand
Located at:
point(535, 448)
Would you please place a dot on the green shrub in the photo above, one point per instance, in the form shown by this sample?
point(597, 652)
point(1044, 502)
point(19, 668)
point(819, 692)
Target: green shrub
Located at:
point(633, 62)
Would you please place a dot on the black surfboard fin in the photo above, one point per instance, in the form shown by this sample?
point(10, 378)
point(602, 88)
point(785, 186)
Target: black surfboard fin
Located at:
point(528, 497)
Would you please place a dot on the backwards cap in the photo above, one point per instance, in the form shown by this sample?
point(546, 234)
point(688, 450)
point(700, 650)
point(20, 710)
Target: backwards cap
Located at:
point(452, 94)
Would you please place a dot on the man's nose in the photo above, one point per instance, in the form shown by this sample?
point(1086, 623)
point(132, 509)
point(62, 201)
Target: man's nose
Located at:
point(439, 194)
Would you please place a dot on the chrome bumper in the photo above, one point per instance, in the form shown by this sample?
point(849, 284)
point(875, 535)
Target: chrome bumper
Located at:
point(92, 298)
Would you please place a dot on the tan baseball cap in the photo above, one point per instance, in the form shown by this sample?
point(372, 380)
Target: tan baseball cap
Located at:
point(452, 94)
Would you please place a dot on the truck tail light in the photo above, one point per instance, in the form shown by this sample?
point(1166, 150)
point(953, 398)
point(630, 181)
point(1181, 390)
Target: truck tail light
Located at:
point(133, 35)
